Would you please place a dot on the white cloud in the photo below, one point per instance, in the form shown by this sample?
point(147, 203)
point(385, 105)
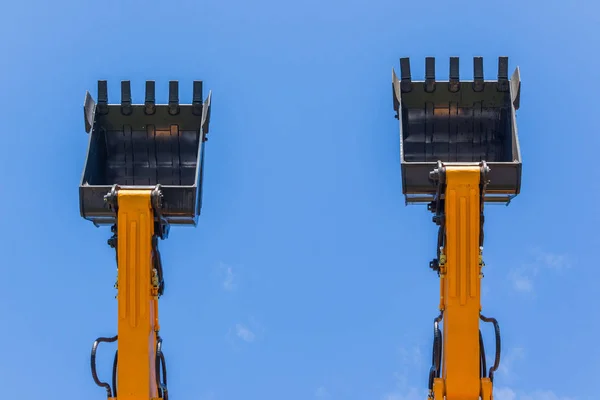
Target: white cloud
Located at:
point(521, 282)
point(553, 261)
point(208, 396)
point(244, 333)
point(544, 395)
point(410, 394)
point(321, 393)
point(522, 277)
point(508, 361)
point(411, 358)
point(230, 282)
point(506, 393)
point(229, 276)
point(410, 361)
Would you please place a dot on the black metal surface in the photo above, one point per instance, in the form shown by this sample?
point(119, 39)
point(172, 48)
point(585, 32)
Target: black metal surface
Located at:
point(105, 385)
point(114, 372)
point(161, 370)
point(458, 122)
point(494, 367)
point(482, 360)
point(436, 356)
point(144, 145)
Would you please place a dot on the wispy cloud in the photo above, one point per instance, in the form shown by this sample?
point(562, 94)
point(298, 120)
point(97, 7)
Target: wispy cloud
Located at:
point(523, 276)
point(520, 281)
point(208, 396)
point(410, 357)
point(229, 277)
point(506, 393)
point(322, 393)
point(509, 368)
point(230, 282)
point(410, 394)
point(248, 332)
point(244, 333)
point(403, 391)
point(410, 360)
point(510, 362)
point(543, 395)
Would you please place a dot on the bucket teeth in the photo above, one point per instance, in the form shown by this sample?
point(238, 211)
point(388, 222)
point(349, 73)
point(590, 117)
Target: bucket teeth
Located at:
point(150, 100)
point(478, 82)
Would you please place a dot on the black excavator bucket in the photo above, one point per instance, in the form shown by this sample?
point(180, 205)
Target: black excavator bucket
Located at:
point(458, 122)
point(144, 145)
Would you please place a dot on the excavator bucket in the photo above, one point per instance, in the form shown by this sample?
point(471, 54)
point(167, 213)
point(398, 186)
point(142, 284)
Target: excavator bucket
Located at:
point(458, 122)
point(142, 146)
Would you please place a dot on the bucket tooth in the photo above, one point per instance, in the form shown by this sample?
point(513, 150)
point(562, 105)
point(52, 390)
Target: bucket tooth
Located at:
point(126, 98)
point(502, 74)
point(454, 81)
point(150, 98)
point(470, 123)
point(173, 97)
point(197, 98)
point(142, 146)
point(478, 74)
point(429, 74)
point(406, 84)
point(102, 97)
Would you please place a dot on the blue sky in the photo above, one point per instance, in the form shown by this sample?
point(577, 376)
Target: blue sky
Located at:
point(307, 277)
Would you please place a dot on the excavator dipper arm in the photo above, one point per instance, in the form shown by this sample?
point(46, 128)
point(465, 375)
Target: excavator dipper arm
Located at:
point(139, 361)
point(463, 372)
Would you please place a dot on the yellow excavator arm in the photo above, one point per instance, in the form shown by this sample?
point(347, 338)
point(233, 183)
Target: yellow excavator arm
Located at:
point(143, 173)
point(459, 150)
